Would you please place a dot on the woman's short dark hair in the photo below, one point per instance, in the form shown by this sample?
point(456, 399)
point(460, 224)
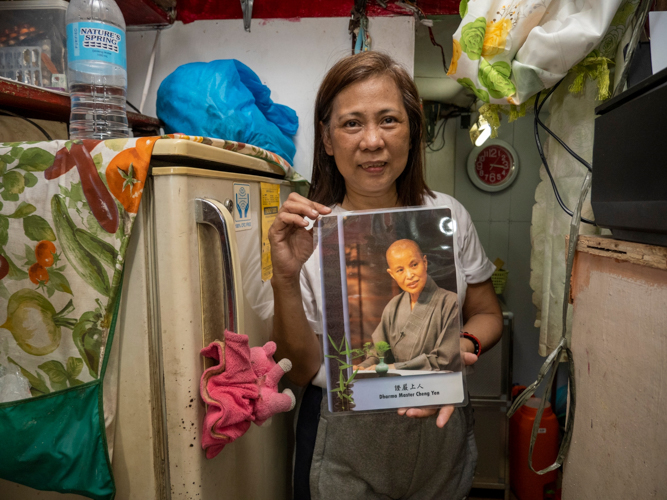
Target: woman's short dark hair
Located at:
point(328, 186)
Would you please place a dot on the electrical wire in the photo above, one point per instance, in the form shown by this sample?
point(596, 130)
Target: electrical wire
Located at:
point(436, 44)
point(132, 106)
point(552, 134)
point(9, 113)
point(442, 128)
point(538, 142)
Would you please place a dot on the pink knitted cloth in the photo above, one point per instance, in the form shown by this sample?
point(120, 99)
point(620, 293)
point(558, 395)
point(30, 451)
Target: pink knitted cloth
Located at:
point(229, 389)
point(269, 373)
point(241, 388)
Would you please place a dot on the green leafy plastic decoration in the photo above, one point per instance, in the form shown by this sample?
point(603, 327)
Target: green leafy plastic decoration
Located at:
point(596, 68)
point(496, 78)
point(37, 228)
point(472, 38)
point(35, 160)
point(481, 94)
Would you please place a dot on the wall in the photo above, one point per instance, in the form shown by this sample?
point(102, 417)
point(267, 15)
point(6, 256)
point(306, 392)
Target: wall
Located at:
point(503, 223)
point(18, 129)
point(440, 158)
point(291, 58)
point(435, 85)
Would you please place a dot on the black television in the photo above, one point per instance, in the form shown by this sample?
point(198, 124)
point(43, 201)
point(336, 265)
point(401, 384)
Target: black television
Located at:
point(629, 189)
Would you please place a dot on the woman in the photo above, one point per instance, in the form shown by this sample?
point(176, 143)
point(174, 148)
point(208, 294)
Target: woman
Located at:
point(368, 155)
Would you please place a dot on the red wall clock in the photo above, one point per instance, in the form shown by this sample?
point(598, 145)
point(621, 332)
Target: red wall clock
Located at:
point(493, 166)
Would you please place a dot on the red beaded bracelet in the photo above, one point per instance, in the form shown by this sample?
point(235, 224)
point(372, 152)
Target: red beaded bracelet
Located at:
point(475, 342)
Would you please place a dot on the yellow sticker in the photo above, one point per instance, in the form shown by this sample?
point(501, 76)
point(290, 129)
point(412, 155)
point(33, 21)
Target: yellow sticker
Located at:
point(270, 206)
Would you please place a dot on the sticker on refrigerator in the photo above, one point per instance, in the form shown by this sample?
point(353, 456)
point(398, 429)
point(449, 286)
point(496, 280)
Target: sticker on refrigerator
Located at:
point(270, 204)
point(242, 213)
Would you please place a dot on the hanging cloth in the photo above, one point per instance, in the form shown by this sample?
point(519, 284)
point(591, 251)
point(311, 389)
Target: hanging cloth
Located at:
point(65, 222)
point(572, 118)
point(66, 216)
point(506, 51)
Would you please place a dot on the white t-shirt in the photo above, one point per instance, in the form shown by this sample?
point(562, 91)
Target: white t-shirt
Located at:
point(472, 266)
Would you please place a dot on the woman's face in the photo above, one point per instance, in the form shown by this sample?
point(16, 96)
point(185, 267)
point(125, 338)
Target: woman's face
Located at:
point(369, 136)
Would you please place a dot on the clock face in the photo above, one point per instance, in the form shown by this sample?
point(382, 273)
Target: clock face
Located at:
point(493, 166)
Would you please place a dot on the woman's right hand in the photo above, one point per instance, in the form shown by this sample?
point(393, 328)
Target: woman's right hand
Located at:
point(291, 243)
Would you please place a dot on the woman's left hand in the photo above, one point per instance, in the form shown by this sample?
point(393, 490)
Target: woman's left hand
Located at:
point(446, 411)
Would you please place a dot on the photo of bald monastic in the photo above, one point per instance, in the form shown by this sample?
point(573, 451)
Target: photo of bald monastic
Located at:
point(391, 317)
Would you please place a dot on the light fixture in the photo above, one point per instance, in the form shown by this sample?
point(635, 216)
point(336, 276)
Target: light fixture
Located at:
point(480, 131)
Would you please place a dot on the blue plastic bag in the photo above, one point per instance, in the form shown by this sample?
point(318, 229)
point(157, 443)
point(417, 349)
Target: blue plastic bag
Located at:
point(225, 99)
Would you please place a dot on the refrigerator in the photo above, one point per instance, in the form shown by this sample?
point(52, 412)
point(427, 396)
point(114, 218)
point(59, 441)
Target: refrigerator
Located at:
point(193, 268)
point(490, 389)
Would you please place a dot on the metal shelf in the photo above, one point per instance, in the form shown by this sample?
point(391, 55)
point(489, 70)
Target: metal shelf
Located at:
point(34, 102)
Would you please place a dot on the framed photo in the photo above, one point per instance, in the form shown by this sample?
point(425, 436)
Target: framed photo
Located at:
point(391, 314)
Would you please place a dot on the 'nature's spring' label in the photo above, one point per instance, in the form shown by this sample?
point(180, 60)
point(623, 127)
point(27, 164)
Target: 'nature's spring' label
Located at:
point(97, 42)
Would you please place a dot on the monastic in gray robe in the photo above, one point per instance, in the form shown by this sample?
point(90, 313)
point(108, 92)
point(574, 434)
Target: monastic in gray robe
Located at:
point(424, 338)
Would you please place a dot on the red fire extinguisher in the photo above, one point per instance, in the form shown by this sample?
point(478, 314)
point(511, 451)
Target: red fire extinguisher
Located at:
point(526, 484)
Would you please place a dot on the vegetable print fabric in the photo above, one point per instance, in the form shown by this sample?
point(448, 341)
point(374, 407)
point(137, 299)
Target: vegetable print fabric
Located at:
point(66, 214)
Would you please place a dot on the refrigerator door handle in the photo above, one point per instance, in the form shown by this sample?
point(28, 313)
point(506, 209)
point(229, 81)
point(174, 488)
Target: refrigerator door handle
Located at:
point(215, 214)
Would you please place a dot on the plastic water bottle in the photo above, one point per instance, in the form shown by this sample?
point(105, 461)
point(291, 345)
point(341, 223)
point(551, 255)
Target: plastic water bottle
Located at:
point(97, 69)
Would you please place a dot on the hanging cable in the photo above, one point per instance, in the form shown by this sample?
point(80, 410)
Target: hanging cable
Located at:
point(9, 113)
point(132, 106)
point(436, 44)
point(538, 142)
point(552, 134)
point(441, 128)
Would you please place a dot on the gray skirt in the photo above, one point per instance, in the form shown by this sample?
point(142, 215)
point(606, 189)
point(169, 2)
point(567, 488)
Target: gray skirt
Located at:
point(387, 456)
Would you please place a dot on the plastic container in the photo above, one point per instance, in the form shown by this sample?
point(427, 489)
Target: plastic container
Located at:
point(97, 73)
point(33, 46)
point(526, 484)
point(13, 385)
